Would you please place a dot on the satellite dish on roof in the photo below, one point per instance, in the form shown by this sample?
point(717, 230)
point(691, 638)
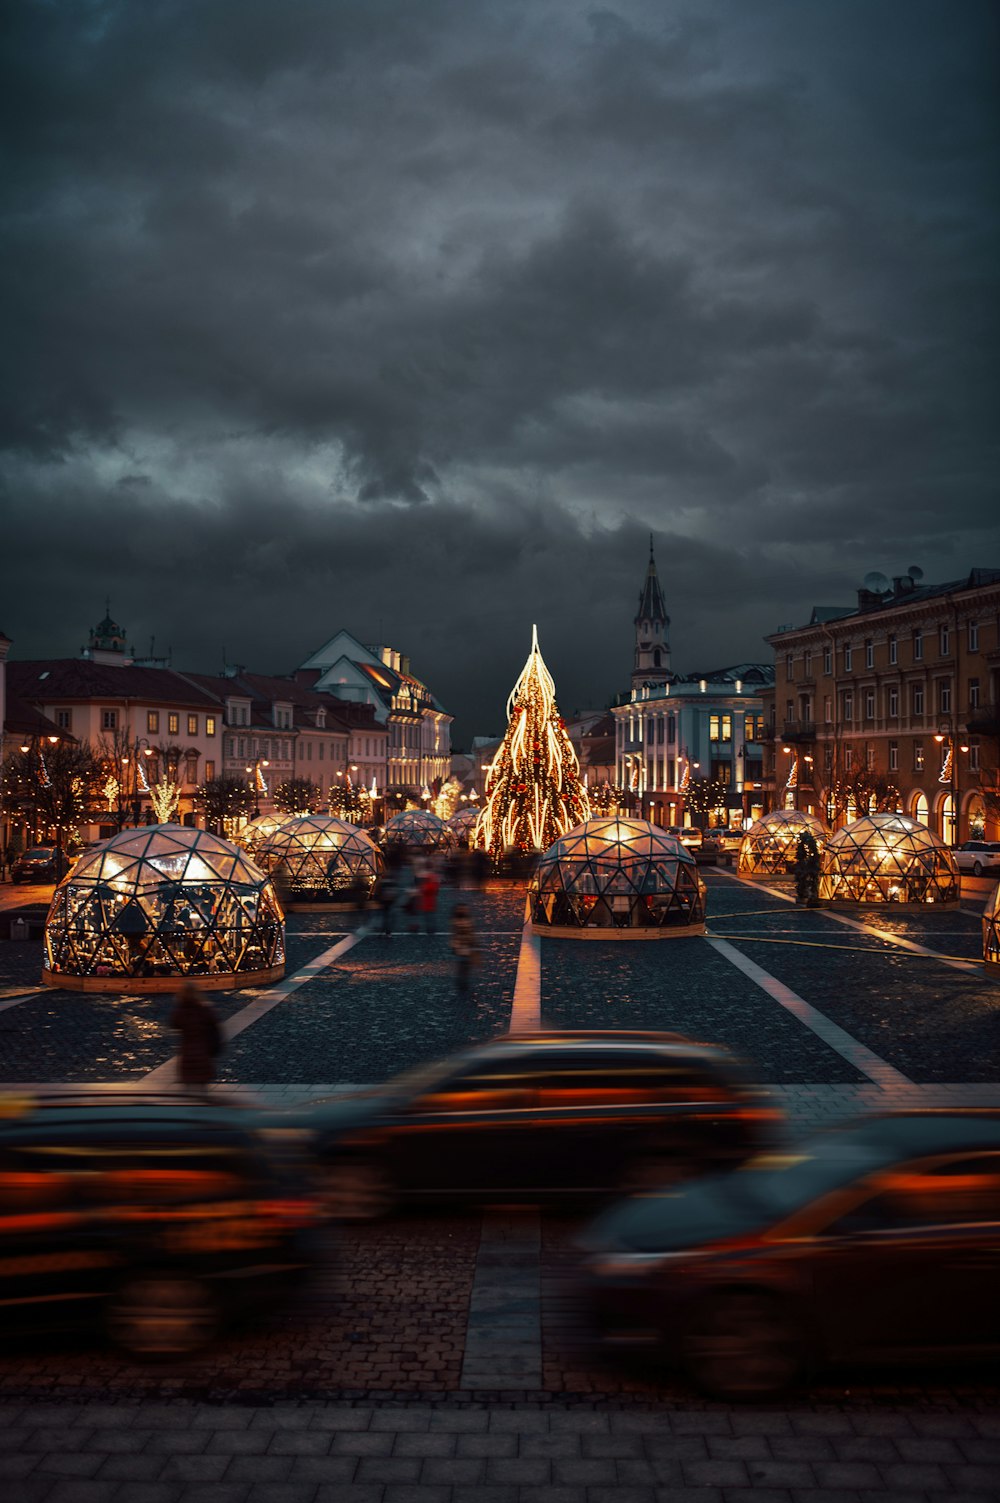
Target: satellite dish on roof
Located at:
point(916, 573)
point(876, 583)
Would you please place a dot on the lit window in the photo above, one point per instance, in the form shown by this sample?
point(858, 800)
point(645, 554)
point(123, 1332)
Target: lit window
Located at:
point(173, 724)
point(209, 725)
point(192, 725)
point(918, 756)
point(153, 721)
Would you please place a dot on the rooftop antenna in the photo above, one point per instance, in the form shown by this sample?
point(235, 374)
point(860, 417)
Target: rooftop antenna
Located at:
point(916, 573)
point(876, 583)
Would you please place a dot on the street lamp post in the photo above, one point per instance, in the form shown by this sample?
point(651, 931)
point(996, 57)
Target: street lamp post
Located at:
point(948, 775)
point(254, 767)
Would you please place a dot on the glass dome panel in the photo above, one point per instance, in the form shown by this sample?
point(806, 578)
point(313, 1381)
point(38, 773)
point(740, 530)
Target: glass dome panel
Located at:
point(463, 824)
point(314, 858)
point(253, 835)
point(768, 847)
point(150, 906)
point(622, 875)
point(888, 858)
point(419, 829)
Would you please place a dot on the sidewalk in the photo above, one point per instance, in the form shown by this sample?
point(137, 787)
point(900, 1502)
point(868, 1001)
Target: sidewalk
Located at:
point(317, 1453)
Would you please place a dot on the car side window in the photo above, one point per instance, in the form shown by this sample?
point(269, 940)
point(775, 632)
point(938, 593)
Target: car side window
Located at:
point(942, 1193)
point(496, 1089)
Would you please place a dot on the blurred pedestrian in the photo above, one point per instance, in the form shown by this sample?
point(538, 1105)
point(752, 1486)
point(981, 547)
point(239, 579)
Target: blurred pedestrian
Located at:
point(201, 1037)
point(807, 870)
point(388, 891)
point(464, 949)
point(427, 896)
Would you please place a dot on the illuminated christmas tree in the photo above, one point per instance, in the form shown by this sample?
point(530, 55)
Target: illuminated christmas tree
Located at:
point(533, 788)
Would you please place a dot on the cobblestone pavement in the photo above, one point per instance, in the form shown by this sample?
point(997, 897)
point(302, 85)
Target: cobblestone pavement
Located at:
point(365, 1386)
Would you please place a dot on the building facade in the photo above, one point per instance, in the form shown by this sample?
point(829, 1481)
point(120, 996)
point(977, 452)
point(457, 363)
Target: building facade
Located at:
point(682, 742)
point(893, 703)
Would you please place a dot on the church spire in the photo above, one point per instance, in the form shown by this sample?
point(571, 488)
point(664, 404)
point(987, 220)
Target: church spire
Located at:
point(652, 647)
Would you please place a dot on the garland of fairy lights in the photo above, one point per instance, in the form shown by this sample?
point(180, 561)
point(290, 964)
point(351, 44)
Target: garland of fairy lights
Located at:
point(533, 788)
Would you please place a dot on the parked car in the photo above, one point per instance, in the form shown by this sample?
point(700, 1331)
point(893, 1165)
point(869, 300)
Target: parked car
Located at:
point(978, 857)
point(687, 835)
point(724, 839)
point(879, 1240)
point(155, 1216)
point(537, 1117)
point(43, 863)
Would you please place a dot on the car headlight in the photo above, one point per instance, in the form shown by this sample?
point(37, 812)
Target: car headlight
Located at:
point(626, 1265)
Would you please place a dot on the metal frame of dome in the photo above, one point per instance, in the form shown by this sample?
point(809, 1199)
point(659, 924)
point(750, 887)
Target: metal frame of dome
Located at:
point(257, 831)
point(418, 829)
point(991, 929)
point(617, 878)
point(317, 861)
point(888, 859)
point(768, 847)
point(463, 824)
point(162, 904)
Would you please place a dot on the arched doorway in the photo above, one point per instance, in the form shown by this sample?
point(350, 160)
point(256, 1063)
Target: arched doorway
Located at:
point(944, 818)
point(919, 809)
point(974, 816)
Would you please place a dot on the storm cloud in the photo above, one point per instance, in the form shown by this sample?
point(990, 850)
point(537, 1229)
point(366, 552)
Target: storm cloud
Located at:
point(417, 319)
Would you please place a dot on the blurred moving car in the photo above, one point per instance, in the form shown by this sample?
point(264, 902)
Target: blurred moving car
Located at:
point(875, 1241)
point(156, 1216)
point(43, 863)
point(979, 857)
point(537, 1116)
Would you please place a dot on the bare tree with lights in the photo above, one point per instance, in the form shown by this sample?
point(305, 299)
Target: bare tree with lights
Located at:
point(534, 792)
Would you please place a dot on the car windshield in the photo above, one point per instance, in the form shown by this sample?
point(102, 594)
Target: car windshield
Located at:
point(763, 1191)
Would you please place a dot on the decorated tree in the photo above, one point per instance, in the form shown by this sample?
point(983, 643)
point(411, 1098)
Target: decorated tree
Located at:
point(605, 797)
point(533, 788)
point(297, 796)
point(446, 801)
point(224, 799)
point(706, 795)
point(350, 801)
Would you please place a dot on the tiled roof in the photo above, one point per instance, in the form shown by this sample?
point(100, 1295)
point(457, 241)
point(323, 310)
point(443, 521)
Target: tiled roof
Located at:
point(80, 678)
point(22, 719)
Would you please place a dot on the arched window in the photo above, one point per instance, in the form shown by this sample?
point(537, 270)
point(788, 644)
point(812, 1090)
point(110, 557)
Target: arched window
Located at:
point(919, 809)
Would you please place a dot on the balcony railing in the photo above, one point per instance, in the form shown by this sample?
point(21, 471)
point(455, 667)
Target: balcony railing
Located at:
point(797, 731)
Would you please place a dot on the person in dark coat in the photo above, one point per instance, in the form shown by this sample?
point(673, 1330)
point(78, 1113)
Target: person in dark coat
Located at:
point(464, 949)
point(201, 1037)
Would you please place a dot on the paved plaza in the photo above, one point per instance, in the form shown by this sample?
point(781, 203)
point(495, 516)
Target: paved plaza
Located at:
point(440, 1357)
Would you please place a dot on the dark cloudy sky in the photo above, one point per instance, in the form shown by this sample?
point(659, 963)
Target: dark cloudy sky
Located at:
point(416, 316)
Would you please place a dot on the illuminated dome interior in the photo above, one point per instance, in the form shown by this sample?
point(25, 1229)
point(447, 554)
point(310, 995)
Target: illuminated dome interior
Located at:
point(315, 858)
point(418, 829)
point(887, 858)
point(463, 824)
point(618, 874)
point(151, 905)
point(253, 835)
point(768, 847)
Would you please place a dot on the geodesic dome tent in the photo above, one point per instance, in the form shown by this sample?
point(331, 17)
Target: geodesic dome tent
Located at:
point(991, 929)
point(623, 877)
point(462, 824)
point(888, 858)
point(152, 906)
point(418, 829)
point(768, 847)
point(253, 835)
point(314, 858)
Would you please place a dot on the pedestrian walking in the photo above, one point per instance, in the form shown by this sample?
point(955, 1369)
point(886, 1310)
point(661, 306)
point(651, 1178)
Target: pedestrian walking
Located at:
point(807, 870)
point(201, 1037)
point(427, 896)
point(464, 949)
point(387, 893)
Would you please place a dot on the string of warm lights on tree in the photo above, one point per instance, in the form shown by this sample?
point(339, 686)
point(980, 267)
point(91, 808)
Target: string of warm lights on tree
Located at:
point(534, 792)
